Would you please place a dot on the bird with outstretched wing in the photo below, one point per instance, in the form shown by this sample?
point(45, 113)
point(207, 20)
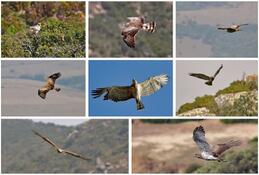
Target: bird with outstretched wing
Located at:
point(232, 28)
point(131, 28)
point(60, 150)
point(208, 152)
point(135, 90)
point(209, 79)
point(50, 85)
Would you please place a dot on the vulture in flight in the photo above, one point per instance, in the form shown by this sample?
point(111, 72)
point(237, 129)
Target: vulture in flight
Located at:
point(50, 85)
point(59, 150)
point(131, 28)
point(135, 90)
point(207, 152)
point(209, 79)
point(232, 28)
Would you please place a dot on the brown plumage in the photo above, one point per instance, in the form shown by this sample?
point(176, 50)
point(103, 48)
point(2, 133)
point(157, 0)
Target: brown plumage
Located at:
point(50, 85)
point(233, 28)
point(131, 28)
point(59, 150)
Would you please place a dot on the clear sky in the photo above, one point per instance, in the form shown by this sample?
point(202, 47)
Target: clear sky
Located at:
point(66, 122)
point(120, 73)
point(188, 87)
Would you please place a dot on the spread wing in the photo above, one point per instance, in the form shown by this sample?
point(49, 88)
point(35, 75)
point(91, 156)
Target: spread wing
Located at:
point(242, 25)
point(129, 35)
point(200, 140)
point(75, 155)
point(222, 28)
point(153, 84)
point(216, 73)
point(225, 146)
point(55, 76)
point(46, 139)
point(114, 93)
point(199, 75)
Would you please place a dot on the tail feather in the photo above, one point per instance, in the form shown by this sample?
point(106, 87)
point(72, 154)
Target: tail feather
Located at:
point(140, 105)
point(98, 92)
point(149, 27)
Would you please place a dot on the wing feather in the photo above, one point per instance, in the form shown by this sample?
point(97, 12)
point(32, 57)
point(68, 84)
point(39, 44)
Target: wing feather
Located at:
point(200, 140)
point(129, 35)
point(75, 155)
point(199, 75)
point(153, 84)
point(216, 73)
point(225, 146)
point(46, 139)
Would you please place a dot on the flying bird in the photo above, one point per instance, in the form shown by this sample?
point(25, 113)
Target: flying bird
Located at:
point(59, 150)
point(50, 85)
point(35, 29)
point(131, 28)
point(209, 79)
point(232, 28)
point(207, 152)
point(135, 90)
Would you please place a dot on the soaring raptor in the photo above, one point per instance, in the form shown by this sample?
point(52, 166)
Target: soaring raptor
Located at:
point(208, 152)
point(135, 90)
point(131, 28)
point(59, 150)
point(232, 28)
point(209, 79)
point(50, 85)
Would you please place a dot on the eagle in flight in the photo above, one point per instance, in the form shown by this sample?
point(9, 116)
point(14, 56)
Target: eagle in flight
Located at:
point(131, 28)
point(209, 79)
point(232, 28)
point(59, 150)
point(207, 152)
point(50, 85)
point(135, 90)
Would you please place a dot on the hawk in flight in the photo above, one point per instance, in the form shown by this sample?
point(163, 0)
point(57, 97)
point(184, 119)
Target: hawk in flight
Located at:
point(135, 90)
point(207, 152)
point(131, 28)
point(59, 150)
point(50, 85)
point(35, 29)
point(209, 79)
point(232, 28)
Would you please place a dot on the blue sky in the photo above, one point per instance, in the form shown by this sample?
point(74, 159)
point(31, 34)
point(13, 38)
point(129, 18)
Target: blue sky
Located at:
point(120, 73)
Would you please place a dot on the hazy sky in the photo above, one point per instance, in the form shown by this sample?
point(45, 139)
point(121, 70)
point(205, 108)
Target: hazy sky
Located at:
point(188, 87)
point(120, 73)
point(66, 122)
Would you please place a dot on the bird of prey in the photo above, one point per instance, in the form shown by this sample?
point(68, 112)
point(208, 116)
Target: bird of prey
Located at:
point(131, 28)
point(207, 152)
point(135, 90)
point(50, 85)
point(232, 28)
point(209, 79)
point(35, 29)
point(59, 150)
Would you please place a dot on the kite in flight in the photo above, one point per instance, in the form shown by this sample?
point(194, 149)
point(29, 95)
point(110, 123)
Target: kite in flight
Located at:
point(232, 28)
point(206, 151)
point(131, 28)
point(135, 90)
point(59, 150)
point(50, 85)
point(209, 79)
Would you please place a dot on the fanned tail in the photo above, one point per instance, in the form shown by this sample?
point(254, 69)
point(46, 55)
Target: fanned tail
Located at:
point(149, 27)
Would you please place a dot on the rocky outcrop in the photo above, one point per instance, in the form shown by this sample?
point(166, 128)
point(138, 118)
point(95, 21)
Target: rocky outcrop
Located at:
point(203, 111)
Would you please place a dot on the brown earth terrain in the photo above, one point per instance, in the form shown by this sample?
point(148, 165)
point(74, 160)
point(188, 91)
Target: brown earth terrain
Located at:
point(169, 148)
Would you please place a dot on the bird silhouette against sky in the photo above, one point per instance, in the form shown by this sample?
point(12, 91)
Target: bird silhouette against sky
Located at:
point(232, 28)
point(209, 79)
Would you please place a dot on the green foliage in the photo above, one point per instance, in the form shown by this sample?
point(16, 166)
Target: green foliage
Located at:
point(192, 168)
point(105, 33)
point(244, 106)
point(239, 86)
point(245, 161)
point(204, 101)
point(62, 31)
point(232, 121)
